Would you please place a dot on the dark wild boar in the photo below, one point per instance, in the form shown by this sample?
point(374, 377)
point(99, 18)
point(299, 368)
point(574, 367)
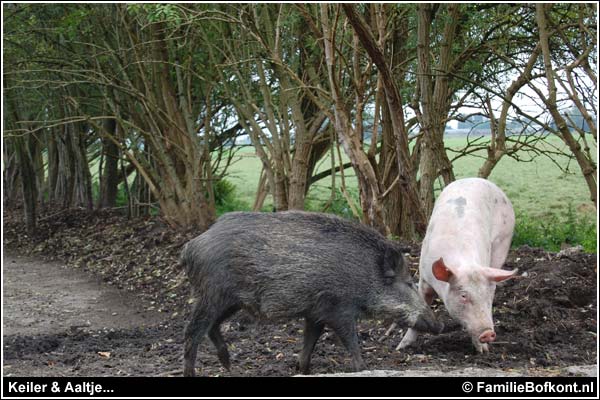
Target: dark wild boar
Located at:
point(295, 264)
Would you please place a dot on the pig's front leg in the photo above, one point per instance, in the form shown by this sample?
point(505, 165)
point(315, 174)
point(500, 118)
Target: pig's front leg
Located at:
point(411, 335)
point(409, 338)
point(480, 347)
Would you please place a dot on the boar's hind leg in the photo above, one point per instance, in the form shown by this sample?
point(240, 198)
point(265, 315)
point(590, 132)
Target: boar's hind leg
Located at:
point(346, 330)
point(217, 338)
point(203, 318)
point(312, 332)
point(194, 332)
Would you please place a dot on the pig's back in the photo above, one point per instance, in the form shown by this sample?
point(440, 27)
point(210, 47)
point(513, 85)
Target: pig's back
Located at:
point(470, 218)
point(474, 202)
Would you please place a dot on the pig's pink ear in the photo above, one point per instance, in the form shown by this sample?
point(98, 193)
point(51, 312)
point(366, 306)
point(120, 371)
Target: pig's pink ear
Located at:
point(441, 271)
point(498, 275)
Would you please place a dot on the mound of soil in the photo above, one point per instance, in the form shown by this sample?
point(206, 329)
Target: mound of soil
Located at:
point(545, 318)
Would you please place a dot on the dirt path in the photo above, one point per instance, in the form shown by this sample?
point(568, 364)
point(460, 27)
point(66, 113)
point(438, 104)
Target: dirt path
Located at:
point(60, 321)
point(46, 298)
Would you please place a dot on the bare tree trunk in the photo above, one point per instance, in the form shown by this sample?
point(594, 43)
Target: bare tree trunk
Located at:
point(394, 102)
point(497, 148)
point(588, 167)
point(83, 177)
point(319, 148)
point(130, 199)
point(300, 165)
point(73, 178)
point(397, 210)
point(53, 165)
point(434, 102)
point(28, 183)
point(261, 191)
point(66, 174)
point(280, 196)
point(37, 162)
point(427, 162)
point(370, 192)
point(141, 196)
point(110, 173)
point(10, 173)
point(24, 163)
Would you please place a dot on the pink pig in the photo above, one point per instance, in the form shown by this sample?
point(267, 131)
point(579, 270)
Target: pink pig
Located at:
point(466, 243)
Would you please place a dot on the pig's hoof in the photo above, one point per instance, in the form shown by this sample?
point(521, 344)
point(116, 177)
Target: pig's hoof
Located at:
point(409, 338)
point(404, 344)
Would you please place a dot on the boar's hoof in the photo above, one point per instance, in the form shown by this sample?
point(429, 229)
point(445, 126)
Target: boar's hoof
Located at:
point(303, 368)
point(359, 366)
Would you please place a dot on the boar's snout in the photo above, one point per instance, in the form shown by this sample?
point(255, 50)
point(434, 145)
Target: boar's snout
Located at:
point(426, 322)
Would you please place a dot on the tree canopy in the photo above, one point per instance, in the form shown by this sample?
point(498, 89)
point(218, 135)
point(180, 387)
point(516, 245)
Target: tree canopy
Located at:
point(158, 94)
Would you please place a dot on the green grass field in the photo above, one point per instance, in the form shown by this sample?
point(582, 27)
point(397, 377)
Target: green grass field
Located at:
point(538, 188)
point(553, 208)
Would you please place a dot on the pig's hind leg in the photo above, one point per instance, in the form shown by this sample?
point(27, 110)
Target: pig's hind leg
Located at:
point(411, 335)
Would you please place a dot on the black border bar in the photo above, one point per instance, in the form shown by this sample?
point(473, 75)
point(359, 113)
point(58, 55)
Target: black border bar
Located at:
point(300, 387)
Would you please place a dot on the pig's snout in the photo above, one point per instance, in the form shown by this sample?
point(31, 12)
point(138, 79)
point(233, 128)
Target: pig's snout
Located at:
point(487, 336)
point(428, 324)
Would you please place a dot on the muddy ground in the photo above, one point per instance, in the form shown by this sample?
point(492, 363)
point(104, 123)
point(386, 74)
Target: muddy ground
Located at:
point(92, 294)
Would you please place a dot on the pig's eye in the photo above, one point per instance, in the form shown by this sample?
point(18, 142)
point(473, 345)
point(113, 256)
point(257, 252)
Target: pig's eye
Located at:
point(464, 298)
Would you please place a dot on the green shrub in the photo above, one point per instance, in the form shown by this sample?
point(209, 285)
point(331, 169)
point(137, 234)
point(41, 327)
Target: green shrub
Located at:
point(226, 199)
point(121, 199)
point(224, 192)
point(338, 205)
point(552, 232)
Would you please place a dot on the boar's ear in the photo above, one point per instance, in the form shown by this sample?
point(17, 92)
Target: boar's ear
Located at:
point(498, 275)
point(441, 271)
point(390, 263)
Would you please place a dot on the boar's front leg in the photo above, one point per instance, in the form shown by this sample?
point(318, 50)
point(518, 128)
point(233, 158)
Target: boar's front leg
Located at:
point(345, 328)
point(312, 332)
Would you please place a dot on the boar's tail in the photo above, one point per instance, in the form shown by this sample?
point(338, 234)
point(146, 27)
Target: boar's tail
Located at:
point(183, 258)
